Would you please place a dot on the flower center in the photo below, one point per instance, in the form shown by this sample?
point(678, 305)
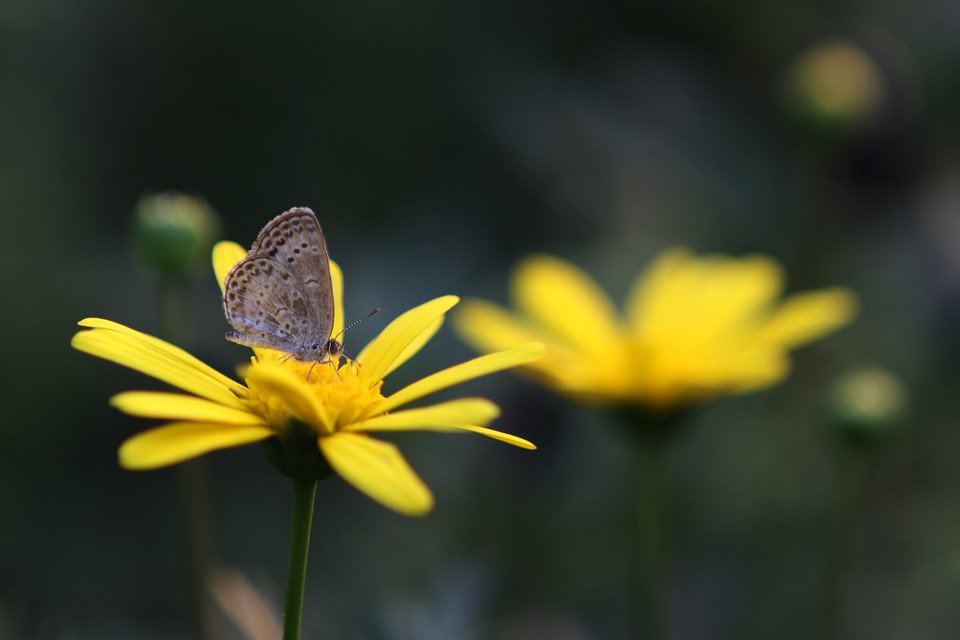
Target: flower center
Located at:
point(342, 394)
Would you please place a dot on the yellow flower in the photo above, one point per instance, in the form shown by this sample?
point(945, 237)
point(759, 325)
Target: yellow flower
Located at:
point(694, 328)
point(337, 408)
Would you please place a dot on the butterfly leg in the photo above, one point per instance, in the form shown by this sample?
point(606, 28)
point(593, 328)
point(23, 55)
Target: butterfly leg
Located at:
point(325, 360)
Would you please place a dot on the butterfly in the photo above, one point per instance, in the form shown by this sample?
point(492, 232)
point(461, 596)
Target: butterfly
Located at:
point(280, 296)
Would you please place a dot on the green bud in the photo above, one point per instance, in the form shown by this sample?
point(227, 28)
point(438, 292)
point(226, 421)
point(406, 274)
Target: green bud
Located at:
point(868, 404)
point(834, 86)
point(295, 452)
point(175, 232)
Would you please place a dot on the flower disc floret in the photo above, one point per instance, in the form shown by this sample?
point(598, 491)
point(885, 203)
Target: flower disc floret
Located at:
point(333, 395)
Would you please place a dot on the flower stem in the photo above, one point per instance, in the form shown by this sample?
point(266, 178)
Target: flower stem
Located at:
point(655, 537)
point(191, 477)
point(194, 503)
point(843, 541)
point(173, 309)
point(304, 493)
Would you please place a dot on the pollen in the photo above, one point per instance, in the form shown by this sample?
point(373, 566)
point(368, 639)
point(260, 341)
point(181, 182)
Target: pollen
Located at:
point(342, 391)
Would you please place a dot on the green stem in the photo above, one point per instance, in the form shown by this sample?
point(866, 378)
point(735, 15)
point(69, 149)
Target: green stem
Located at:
point(191, 477)
point(173, 309)
point(192, 481)
point(655, 537)
point(843, 543)
point(304, 494)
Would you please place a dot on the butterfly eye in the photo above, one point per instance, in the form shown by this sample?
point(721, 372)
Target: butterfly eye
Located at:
point(333, 347)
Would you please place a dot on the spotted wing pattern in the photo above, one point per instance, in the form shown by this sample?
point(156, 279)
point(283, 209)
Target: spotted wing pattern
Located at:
point(294, 239)
point(266, 305)
point(280, 295)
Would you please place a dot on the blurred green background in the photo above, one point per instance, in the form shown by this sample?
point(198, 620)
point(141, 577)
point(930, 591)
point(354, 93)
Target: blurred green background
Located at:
point(440, 142)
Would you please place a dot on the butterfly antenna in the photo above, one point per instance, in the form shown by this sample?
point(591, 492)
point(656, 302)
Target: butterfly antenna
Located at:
point(356, 322)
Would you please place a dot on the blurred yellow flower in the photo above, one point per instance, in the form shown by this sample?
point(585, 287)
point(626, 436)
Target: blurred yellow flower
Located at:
point(694, 328)
point(338, 406)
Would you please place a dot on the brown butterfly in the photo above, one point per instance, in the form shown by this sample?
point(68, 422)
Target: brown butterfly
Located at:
point(280, 295)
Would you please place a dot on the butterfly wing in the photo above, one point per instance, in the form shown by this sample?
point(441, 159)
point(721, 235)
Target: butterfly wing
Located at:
point(294, 239)
point(267, 306)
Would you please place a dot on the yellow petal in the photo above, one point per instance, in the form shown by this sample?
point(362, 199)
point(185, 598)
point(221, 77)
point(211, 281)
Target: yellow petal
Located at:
point(181, 441)
point(379, 470)
point(394, 340)
point(164, 347)
point(569, 303)
point(488, 327)
point(655, 290)
point(456, 415)
point(414, 347)
point(805, 317)
point(755, 369)
point(158, 359)
point(225, 255)
point(175, 406)
point(456, 428)
point(516, 441)
point(711, 295)
point(336, 277)
point(663, 303)
point(294, 392)
point(462, 411)
point(475, 368)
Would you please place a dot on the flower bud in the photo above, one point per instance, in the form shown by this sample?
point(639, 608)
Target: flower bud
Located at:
point(868, 405)
point(174, 232)
point(834, 86)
